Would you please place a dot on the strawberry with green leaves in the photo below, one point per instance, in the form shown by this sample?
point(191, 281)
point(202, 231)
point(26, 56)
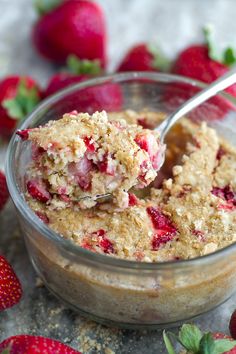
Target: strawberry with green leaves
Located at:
point(144, 57)
point(70, 27)
point(203, 62)
point(27, 344)
point(194, 341)
point(18, 97)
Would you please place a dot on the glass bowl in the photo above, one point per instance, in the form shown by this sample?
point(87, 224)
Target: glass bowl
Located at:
point(109, 290)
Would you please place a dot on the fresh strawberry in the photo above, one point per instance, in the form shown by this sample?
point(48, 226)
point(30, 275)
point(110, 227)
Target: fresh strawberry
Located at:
point(3, 190)
point(196, 342)
point(103, 97)
point(133, 200)
point(18, 97)
point(143, 57)
point(27, 344)
point(76, 71)
point(38, 190)
point(10, 287)
point(70, 27)
point(232, 325)
point(202, 62)
point(81, 172)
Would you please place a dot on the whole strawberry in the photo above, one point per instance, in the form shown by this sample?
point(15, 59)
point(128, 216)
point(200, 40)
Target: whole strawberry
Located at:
point(202, 62)
point(10, 287)
point(106, 96)
point(144, 57)
point(76, 71)
point(232, 325)
point(3, 190)
point(18, 97)
point(70, 27)
point(27, 344)
point(195, 342)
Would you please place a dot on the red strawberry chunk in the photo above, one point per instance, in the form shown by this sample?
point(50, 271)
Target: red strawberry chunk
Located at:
point(143, 122)
point(4, 194)
point(23, 134)
point(98, 239)
point(165, 230)
point(225, 193)
point(106, 166)
point(42, 216)
point(221, 152)
point(133, 200)
point(37, 189)
point(81, 172)
point(149, 144)
point(89, 144)
point(26, 344)
point(10, 287)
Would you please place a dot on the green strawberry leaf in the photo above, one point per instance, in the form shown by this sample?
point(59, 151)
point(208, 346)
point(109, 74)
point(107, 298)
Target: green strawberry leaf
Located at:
point(224, 345)
point(23, 103)
point(213, 53)
point(77, 66)
point(190, 337)
point(160, 61)
point(168, 343)
point(207, 344)
point(229, 56)
point(45, 6)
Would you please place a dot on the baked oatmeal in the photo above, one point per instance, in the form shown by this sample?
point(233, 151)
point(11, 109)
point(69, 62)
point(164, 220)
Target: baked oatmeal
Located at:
point(81, 155)
point(190, 210)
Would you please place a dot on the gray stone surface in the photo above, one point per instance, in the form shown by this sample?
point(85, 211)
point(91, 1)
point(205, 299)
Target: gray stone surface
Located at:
point(172, 24)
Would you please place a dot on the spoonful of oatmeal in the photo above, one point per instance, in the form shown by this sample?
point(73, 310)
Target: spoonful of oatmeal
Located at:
point(82, 159)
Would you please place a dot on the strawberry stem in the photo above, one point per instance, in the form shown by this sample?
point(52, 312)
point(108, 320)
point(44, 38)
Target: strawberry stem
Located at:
point(45, 6)
point(160, 61)
point(23, 103)
point(77, 66)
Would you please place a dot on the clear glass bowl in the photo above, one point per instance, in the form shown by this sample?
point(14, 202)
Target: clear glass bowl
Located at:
point(115, 291)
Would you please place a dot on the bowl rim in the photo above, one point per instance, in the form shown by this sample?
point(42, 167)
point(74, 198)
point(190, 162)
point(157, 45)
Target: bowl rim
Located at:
point(45, 231)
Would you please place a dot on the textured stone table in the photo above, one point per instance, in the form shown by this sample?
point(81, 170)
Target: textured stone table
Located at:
point(173, 24)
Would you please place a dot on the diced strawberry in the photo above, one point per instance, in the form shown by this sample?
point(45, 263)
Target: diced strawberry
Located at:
point(65, 198)
point(23, 134)
point(37, 189)
point(149, 144)
point(143, 122)
point(227, 207)
point(225, 193)
point(105, 244)
point(42, 216)
point(106, 166)
point(199, 234)
point(165, 229)
point(101, 241)
point(221, 152)
point(81, 171)
point(133, 200)
point(89, 144)
point(36, 152)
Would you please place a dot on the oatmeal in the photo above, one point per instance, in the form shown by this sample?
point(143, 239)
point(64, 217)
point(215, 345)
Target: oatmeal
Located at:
point(190, 210)
point(81, 155)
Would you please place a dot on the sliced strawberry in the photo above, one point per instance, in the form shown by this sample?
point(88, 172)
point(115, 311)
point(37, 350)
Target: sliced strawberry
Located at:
point(81, 172)
point(23, 134)
point(225, 193)
point(27, 344)
point(149, 144)
point(220, 153)
point(4, 194)
point(106, 166)
point(98, 239)
point(161, 237)
point(10, 287)
point(38, 190)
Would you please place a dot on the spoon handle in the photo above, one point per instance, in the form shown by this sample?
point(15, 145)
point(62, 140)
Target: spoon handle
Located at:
point(211, 90)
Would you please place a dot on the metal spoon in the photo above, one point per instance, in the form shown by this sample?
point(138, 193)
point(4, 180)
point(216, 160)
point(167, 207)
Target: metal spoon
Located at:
point(211, 90)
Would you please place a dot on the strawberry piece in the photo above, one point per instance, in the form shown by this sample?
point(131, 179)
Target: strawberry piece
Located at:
point(220, 153)
point(22, 344)
point(133, 200)
point(42, 216)
point(18, 97)
point(106, 166)
point(73, 27)
point(23, 134)
point(37, 189)
point(165, 229)
point(143, 122)
point(89, 144)
point(149, 144)
point(4, 194)
point(10, 287)
point(104, 243)
point(225, 193)
point(81, 172)
point(143, 57)
point(232, 325)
